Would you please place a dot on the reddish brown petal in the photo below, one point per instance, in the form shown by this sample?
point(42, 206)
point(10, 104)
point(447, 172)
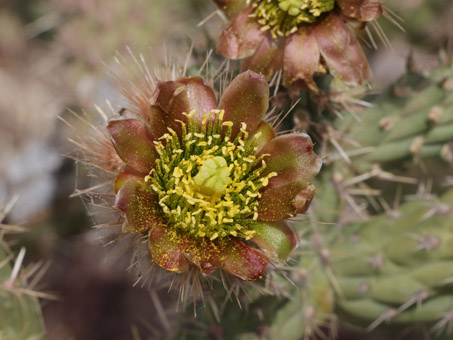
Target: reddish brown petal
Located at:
point(277, 240)
point(164, 105)
point(133, 143)
point(246, 100)
point(185, 95)
point(262, 135)
point(303, 199)
point(174, 251)
point(278, 203)
point(341, 51)
point(241, 37)
point(231, 7)
point(157, 121)
point(140, 206)
point(124, 175)
point(206, 255)
point(301, 59)
point(166, 247)
point(243, 261)
point(363, 10)
point(268, 57)
point(291, 156)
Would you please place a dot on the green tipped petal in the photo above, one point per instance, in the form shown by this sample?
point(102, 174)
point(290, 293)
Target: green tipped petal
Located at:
point(262, 135)
point(244, 261)
point(245, 100)
point(124, 175)
point(276, 240)
point(133, 143)
point(292, 158)
point(140, 206)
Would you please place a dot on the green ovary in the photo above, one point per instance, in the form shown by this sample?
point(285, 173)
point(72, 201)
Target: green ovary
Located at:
point(282, 17)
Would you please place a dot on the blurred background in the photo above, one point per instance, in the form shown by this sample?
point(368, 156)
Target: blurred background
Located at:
point(54, 57)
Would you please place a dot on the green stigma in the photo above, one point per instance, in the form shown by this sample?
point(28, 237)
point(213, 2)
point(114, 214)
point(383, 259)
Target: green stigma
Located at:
point(208, 183)
point(283, 17)
point(213, 176)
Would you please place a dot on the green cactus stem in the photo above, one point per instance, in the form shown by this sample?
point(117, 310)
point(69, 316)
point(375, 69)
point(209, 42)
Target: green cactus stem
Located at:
point(20, 312)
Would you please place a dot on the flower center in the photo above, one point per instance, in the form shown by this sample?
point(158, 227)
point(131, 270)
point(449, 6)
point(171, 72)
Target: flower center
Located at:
point(282, 17)
point(208, 184)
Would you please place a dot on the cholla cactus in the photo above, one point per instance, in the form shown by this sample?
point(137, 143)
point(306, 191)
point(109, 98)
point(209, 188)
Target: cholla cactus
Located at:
point(302, 37)
point(203, 181)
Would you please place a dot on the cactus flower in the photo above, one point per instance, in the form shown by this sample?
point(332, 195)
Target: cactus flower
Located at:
point(301, 37)
point(208, 182)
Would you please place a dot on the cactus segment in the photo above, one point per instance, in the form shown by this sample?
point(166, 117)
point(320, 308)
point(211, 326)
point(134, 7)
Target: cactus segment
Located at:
point(400, 269)
point(20, 313)
point(418, 124)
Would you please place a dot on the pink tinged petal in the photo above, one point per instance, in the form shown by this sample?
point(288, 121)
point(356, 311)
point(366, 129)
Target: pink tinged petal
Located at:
point(199, 96)
point(166, 91)
point(167, 249)
point(133, 143)
point(267, 59)
point(301, 59)
point(262, 135)
point(371, 10)
point(303, 199)
point(246, 100)
point(341, 51)
point(231, 7)
point(140, 207)
point(241, 37)
point(277, 240)
point(184, 95)
point(291, 156)
point(362, 10)
point(244, 261)
point(278, 203)
point(124, 175)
